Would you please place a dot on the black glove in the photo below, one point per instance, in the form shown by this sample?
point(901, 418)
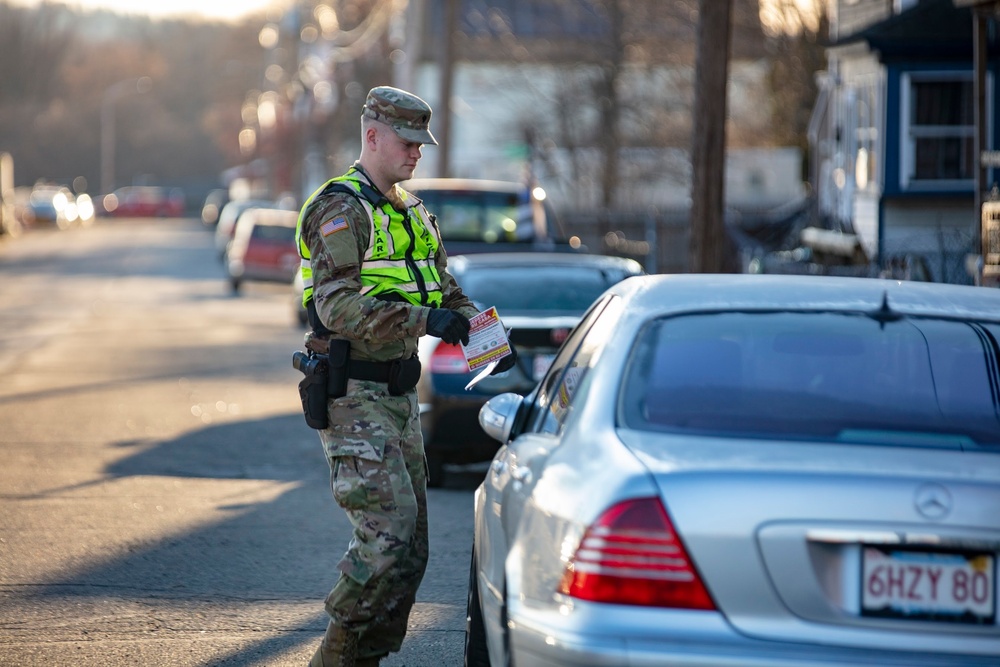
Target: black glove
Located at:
point(449, 325)
point(507, 362)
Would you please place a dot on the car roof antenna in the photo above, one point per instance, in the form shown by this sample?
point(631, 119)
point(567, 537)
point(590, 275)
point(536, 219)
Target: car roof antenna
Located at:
point(885, 313)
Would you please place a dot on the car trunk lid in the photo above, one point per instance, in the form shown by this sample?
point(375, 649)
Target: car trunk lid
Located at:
point(844, 544)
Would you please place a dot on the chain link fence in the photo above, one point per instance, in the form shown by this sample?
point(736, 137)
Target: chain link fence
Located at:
point(938, 257)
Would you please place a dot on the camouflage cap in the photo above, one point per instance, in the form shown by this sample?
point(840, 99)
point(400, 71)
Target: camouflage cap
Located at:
point(408, 115)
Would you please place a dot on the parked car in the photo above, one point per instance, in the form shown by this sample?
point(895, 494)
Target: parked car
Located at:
point(263, 247)
point(480, 215)
point(749, 470)
point(225, 228)
point(539, 297)
point(144, 201)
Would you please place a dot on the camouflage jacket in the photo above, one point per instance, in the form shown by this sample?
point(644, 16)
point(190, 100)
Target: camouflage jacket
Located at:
point(378, 330)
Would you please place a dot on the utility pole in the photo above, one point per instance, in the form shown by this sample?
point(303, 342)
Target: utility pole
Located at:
point(710, 246)
point(111, 94)
point(447, 80)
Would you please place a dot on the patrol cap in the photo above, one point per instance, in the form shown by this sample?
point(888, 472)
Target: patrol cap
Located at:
point(408, 115)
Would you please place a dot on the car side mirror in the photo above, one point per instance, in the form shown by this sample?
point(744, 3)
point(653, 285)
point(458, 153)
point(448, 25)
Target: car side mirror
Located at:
point(497, 416)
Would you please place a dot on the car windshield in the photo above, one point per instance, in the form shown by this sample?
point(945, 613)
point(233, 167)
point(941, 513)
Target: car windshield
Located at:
point(817, 375)
point(569, 289)
point(479, 216)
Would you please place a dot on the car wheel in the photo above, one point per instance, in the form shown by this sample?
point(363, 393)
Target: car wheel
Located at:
point(476, 653)
point(235, 284)
point(435, 471)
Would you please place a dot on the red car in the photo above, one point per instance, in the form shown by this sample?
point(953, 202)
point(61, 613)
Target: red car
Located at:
point(263, 247)
point(146, 201)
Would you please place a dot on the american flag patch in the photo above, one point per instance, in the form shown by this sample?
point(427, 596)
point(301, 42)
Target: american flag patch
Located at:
point(331, 226)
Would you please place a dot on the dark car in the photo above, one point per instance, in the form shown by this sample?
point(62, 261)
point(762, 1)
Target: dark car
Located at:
point(540, 297)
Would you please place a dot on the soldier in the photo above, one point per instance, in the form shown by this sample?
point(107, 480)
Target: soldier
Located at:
point(376, 278)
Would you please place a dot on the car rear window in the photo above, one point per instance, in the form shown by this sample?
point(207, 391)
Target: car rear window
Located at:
point(276, 233)
point(566, 289)
point(817, 375)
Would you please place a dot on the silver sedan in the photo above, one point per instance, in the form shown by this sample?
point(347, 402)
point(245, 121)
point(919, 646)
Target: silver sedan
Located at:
point(749, 471)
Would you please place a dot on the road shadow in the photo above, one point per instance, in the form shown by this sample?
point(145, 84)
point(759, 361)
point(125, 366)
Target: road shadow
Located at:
point(273, 553)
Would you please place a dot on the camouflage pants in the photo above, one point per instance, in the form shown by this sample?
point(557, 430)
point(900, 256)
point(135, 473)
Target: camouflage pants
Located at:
point(378, 476)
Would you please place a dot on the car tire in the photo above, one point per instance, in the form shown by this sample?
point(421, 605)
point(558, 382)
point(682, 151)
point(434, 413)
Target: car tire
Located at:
point(476, 652)
point(235, 284)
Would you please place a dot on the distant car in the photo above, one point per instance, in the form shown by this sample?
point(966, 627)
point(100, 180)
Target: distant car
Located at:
point(50, 204)
point(144, 201)
point(749, 470)
point(540, 297)
point(263, 247)
point(481, 215)
point(226, 226)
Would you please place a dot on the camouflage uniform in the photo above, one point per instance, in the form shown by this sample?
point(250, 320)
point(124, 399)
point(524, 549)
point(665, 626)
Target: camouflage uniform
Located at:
point(373, 443)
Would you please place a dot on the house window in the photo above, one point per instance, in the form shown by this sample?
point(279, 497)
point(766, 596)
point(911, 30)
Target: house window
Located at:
point(939, 130)
point(867, 116)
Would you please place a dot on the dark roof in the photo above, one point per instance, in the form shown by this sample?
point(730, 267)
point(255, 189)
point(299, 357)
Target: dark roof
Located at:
point(931, 28)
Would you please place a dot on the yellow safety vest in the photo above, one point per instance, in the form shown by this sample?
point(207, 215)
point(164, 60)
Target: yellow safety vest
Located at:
point(401, 246)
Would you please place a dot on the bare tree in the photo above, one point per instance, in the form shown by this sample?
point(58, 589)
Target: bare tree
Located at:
point(33, 47)
point(56, 65)
point(795, 30)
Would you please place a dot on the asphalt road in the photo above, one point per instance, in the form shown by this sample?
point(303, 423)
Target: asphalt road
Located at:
point(162, 501)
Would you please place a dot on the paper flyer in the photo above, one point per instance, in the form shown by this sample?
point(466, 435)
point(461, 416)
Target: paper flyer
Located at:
point(487, 340)
point(487, 344)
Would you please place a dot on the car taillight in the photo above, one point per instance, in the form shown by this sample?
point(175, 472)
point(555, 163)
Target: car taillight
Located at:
point(632, 555)
point(448, 359)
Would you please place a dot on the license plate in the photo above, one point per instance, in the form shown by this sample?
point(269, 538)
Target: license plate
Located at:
point(541, 365)
point(928, 586)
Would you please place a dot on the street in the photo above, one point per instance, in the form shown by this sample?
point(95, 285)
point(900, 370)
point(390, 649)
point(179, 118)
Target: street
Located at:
point(164, 502)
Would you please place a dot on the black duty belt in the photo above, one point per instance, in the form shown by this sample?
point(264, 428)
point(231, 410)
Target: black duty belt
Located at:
point(373, 371)
point(400, 374)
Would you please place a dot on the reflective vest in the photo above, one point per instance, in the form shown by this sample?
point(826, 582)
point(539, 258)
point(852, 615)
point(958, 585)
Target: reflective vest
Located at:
point(401, 246)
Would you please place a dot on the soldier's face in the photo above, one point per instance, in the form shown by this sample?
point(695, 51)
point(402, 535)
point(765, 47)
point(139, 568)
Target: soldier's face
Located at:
point(398, 157)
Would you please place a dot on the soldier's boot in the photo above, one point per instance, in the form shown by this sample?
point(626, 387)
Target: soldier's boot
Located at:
point(339, 648)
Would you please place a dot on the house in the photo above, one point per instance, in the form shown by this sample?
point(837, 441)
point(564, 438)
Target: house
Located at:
point(527, 79)
point(895, 150)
